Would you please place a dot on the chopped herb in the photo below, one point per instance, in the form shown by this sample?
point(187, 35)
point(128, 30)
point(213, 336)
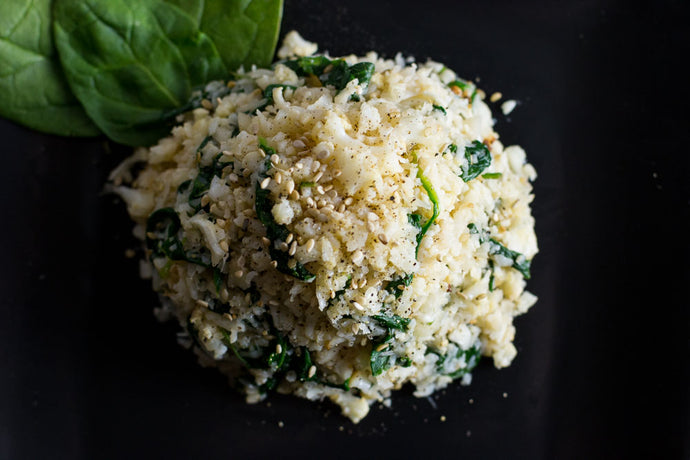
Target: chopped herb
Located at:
point(440, 109)
point(452, 148)
point(202, 181)
point(478, 159)
point(415, 220)
point(393, 322)
point(393, 285)
point(472, 356)
point(339, 73)
point(496, 175)
point(217, 279)
point(519, 261)
point(274, 231)
point(491, 277)
point(463, 85)
point(306, 184)
point(434, 201)
point(268, 94)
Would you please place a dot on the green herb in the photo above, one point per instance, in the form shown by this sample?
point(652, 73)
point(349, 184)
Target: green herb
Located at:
point(471, 357)
point(202, 181)
point(339, 73)
point(452, 148)
point(462, 84)
point(393, 322)
point(431, 193)
point(440, 109)
point(268, 94)
point(306, 363)
point(394, 285)
point(162, 239)
point(478, 159)
point(274, 231)
point(496, 175)
point(33, 88)
point(384, 358)
point(496, 248)
point(491, 277)
point(307, 184)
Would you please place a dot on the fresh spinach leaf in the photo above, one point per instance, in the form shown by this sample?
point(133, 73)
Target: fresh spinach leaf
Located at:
point(131, 63)
point(245, 32)
point(478, 159)
point(33, 88)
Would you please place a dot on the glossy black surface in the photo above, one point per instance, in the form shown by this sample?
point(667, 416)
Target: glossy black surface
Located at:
point(603, 365)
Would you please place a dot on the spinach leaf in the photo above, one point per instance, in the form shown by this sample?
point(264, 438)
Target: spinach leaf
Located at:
point(33, 88)
point(471, 356)
point(382, 357)
point(431, 193)
point(245, 32)
point(440, 109)
point(303, 366)
point(393, 322)
point(394, 285)
point(162, 239)
point(478, 159)
point(132, 62)
point(274, 231)
point(339, 73)
point(339, 293)
point(203, 179)
point(268, 94)
point(496, 248)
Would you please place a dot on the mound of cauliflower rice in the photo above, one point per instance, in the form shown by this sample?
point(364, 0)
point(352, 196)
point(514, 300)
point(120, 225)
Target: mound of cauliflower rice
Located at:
point(336, 228)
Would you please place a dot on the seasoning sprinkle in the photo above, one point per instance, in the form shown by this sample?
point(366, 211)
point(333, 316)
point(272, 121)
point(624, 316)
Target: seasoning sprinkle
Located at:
point(265, 182)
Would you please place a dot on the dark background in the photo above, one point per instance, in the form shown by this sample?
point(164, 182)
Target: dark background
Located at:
point(604, 356)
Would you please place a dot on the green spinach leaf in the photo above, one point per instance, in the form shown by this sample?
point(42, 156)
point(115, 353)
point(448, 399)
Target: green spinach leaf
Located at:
point(478, 159)
point(33, 88)
point(132, 62)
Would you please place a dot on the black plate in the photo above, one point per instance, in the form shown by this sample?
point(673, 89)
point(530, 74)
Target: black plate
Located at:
point(602, 369)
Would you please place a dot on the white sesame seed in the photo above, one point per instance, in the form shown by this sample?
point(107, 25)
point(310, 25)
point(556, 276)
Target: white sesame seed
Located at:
point(274, 264)
point(239, 273)
point(362, 282)
point(279, 349)
point(294, 195)
point(278, 178)
point(265, 240)
point(283, 246)
point(312, 371)
point(265, 182)
point(353, 284)
point(341, 208)
point(228, 316)
point(299, 165)
point(275, 159)
point(224, 245)
point(310, 244)
point(337, 173)
point(348, 201)
point(289, 238)
point(293, 248)
point(358, 306)
point(315, 166)
point(382, 347)
point(318, 176)
point(263, 154)
point(332, 294)
point(495, 96)
point(290, 186)
point(328, 188)
point(320, 190)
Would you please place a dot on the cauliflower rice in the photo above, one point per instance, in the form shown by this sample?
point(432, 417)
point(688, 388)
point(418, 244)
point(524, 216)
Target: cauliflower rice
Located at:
point(336, 229)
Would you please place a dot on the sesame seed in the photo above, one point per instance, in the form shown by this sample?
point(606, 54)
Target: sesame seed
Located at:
point(274, 264)
point(358, 306)
point(341, 208)
point(290, 186)
point(318, 176)
point(320, 190)
point(495, 96)
point(328, 188)
point(283, 246)
point(355, 328)
point(263, 154)
point(312, 371)
point(275, 159)
point(362, 282)
point(332, 294)
point(202, 303)
point(348, 201)
point(205, 200)
point(228, 316)
point(289, 238)
point(315, 166)
point(299, 165)
point(310, 244)
point(443, 418)
point(382, 347)
point(337, 173)
point(293, 248)
point(353, 284)
point(310, 202)
point(279, 349)
point(278, 178)
point(265, 182)
point(239, 273)
point(383, 238)
point(294, 195)
point(265, 240)
point(281, 424)
point(223, 245)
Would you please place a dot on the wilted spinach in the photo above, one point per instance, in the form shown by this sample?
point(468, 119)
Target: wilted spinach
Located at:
point(496, 248)
point(478, 159)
